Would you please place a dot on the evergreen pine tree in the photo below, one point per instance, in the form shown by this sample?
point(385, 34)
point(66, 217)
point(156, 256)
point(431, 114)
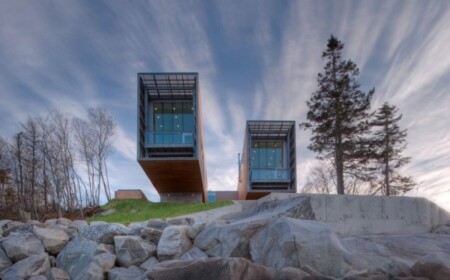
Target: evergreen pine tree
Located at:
point(387, 146)
point(338, 115)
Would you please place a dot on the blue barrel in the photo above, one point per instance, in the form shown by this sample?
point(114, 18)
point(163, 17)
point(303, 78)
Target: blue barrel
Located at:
point(211, 197)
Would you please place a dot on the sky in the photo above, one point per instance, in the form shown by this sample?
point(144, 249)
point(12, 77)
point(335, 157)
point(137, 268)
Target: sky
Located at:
point(255, 59)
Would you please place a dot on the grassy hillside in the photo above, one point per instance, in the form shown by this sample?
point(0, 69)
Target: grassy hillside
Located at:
point(128, 211)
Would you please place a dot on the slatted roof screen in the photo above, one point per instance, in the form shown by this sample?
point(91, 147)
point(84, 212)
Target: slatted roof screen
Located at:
point(169, 85)
point(270, 128)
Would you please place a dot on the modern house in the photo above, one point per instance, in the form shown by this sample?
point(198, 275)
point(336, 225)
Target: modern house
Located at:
point(170, 135)
point(268, 162)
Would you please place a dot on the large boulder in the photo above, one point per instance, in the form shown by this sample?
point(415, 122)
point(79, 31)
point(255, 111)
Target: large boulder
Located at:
point(228, 240)
point(92, 272)
point(3, 226)
point(132, 250)
point(435, 266)
point(391, 253)
point(122, 273)
point(78, 224)
point(28, 267)
point(17, 228)
point(173, 242)
point(103, 233)
point(150, 263)
point(156, 223)
point(5, 262)
point(21, 246)
point(76, 256)
point(151, 234)
point(194, 254)
point(57, 274)
point(298, 207)
point(105, 261)
point(212, 268)
point(287, 242)
point(54, 240)
point(195, 230)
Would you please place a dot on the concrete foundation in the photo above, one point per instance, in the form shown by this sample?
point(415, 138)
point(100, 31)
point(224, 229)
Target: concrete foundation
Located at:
point(349, 214)
point(129, 194)
point(179, 197)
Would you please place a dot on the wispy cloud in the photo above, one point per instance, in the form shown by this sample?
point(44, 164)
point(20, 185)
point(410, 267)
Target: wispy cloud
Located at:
point(255, 62)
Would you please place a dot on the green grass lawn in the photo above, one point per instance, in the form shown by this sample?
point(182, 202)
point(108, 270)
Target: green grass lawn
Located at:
point(128, 211)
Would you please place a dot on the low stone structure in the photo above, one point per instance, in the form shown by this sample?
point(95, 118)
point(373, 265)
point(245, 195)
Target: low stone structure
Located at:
point(277, 238)
point(129, 194)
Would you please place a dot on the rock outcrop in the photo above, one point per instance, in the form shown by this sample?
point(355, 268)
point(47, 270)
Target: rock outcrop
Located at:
point(282, 239)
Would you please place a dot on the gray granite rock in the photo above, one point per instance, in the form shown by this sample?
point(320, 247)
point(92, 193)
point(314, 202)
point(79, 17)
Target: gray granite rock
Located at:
point(151, 234)
point(132, 250)
point(31, 266)
point(194, 254)
point(103, 233)
point(5, 262)
point(228, 240)
point(287, 242)
point(57, 274)
point(76, 256)
point(435, 266)
point(54, 240)
point(122, 273)
point(298, 207)
point(157, 223)
point(105, 261)
point(184, 221)
point(212, 268)
point(20, 246)
point(92, 272)
point(51, 222)
point(18, 228)
point(195, 229)
point(173, 243)
point(3, 226)
point(150, 263)
point(78, 224)
point(104, 248)
point(64, 221)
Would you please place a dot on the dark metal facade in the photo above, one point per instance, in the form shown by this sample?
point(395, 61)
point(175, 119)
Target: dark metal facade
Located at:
point(172, 156)
point(257, 177)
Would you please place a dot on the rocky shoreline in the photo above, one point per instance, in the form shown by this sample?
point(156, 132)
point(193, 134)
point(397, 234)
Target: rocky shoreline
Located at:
point(276, 240)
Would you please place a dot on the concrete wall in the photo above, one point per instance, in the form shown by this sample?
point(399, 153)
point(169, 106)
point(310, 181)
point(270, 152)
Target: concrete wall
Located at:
point(226, 195)
point(349, 214)
point(181, 197)
point(129, 194)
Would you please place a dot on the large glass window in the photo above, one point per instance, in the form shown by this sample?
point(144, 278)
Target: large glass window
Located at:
point(267, 155)
point(172, 123)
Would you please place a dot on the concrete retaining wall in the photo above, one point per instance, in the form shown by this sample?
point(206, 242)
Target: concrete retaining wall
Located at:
point(129, 194)
point(349, 214)
point(182, 197)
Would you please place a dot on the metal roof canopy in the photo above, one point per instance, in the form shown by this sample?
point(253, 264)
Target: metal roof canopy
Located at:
point(169, 85)
point(270, 128)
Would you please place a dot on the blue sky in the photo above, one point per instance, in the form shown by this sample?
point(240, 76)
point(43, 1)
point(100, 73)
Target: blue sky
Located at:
point(256, 60)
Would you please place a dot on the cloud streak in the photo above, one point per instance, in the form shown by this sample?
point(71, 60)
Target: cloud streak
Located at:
point(255, 62)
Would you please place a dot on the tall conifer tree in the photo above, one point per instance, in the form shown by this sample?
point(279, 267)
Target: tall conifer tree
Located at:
point(388, 143)
point(338, 114)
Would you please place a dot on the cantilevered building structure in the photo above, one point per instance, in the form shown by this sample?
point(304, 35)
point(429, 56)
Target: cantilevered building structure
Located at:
point(170, 135)
point(268, 162)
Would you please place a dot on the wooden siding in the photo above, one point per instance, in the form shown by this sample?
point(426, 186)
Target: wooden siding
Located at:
point(175, 176)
